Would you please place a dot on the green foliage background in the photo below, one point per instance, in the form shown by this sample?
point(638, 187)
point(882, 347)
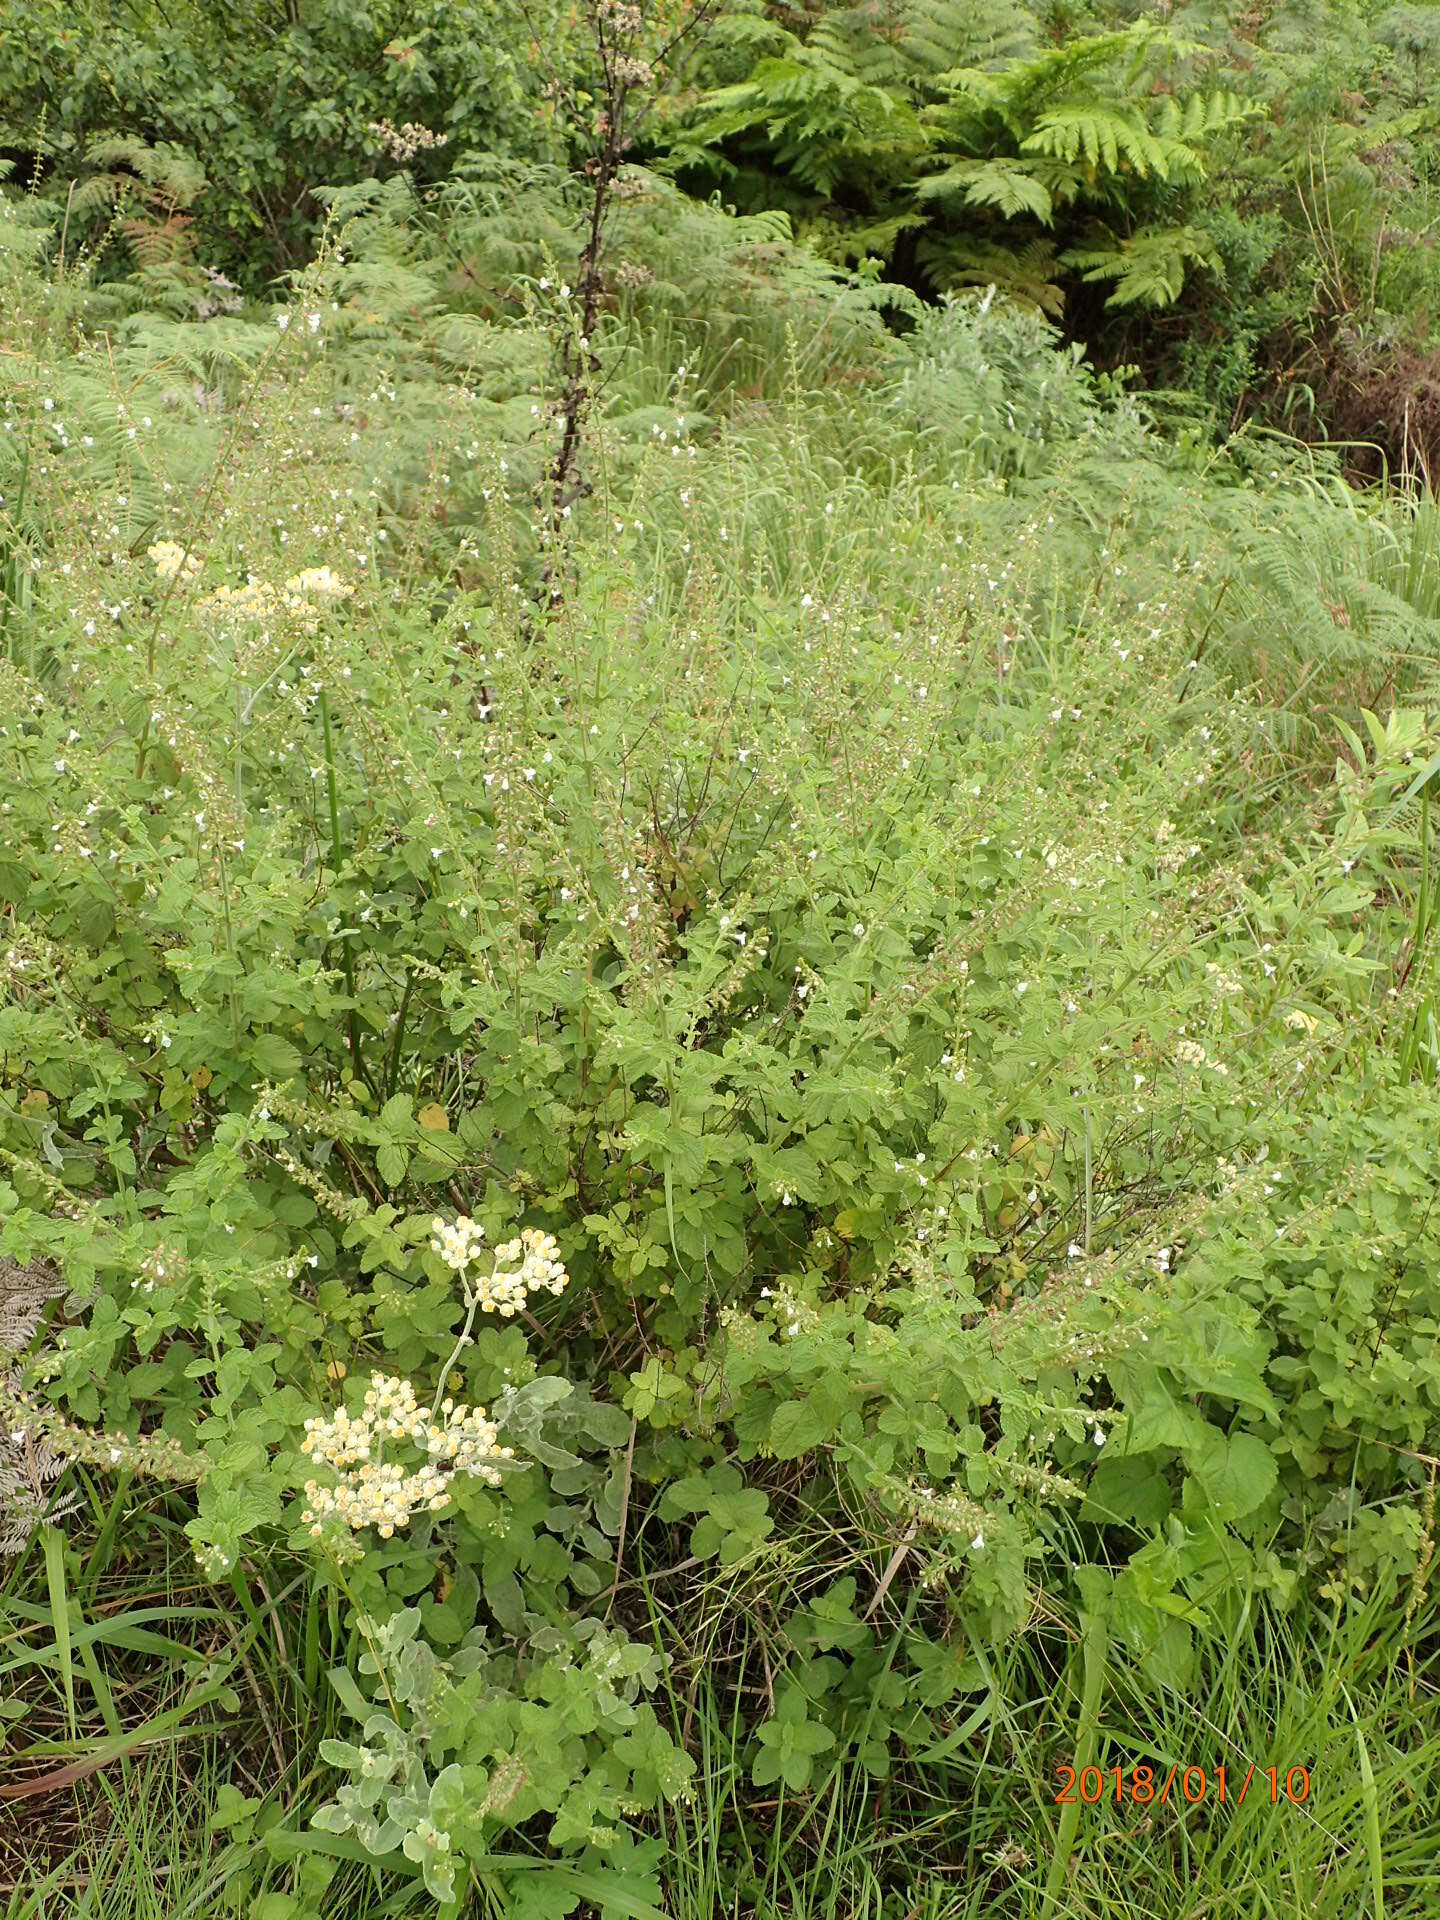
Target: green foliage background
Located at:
point(1265, 177)
point(927, 891)
point(270, 100)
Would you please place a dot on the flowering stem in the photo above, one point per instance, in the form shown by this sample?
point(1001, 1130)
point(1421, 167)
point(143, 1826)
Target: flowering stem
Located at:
point(346, 962)
point(472, 1303)
point(221, 466)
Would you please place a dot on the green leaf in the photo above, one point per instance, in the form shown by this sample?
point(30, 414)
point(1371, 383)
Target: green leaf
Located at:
point(1239, 1475)
point(1127, 1490)
point(796, 1429)
point(392, 1162)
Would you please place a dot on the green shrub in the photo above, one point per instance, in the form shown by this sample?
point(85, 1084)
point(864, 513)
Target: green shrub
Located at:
point(272, 103)
point(887, 923)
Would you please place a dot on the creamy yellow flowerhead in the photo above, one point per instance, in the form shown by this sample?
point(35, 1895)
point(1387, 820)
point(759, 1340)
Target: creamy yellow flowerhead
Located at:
point(172, 560)
point(373, 1491)
point(318, 583)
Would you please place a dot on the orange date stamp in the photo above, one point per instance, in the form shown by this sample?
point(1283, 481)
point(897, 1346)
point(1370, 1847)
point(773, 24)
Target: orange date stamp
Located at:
point(1182, 1786)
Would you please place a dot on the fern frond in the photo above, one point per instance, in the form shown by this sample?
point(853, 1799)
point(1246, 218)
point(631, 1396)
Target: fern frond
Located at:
point(1149, 268)
point(158, 243)
point(172, 173)
point(96, 195)
point(1010, 186)
point(1028, 275)
point(1111, 139)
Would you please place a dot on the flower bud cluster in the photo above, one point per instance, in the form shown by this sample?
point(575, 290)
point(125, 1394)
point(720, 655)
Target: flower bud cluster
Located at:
point(529, 1264)
point(457, 1244)
point(171, 560)
point(375, 1492)
point(165, 1262)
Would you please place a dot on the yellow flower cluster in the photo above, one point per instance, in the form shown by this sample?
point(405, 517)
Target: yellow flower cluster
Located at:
point(171, 559)
point(380, 1493)
point(529, 1264)
point(459, 1244)
point(258, 600)
point(318, 583)
point(464, 1440)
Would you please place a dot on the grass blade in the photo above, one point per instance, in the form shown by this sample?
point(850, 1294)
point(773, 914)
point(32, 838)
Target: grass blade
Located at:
point(54, 1545)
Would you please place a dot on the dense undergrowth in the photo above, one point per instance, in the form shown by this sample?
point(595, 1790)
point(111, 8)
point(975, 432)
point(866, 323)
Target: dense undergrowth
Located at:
point(925, 891)
point(1240, 201)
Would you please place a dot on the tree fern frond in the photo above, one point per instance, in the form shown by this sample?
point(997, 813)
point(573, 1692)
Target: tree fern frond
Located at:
point(1010, 186)
point(943, 34)
point(852, 241)
point(735, 29)
point(1148, 269)
point(1112, 138)
point(770, 227)
point(818, 120)
point(1200, 116)
point(911, 42)
point(1026, 274)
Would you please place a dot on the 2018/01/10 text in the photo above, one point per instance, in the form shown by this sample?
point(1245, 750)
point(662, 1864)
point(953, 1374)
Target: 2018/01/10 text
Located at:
point(1143, 1785)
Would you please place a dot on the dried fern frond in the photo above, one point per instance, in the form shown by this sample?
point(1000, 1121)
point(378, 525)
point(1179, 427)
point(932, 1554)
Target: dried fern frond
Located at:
point(29, 1466)
point(24, 1293)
